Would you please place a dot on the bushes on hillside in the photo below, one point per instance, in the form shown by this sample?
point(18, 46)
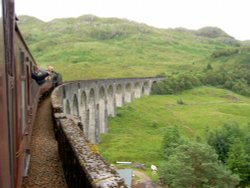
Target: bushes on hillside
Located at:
point(230, 51)
point(235, 78)
point(176, 83)
point(225, 52)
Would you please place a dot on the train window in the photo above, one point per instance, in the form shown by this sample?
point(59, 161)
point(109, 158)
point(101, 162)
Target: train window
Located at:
point(22, 61)
point(23, 105)
point(23, 90)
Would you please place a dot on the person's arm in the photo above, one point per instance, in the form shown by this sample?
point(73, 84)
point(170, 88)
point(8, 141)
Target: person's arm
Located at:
point(39, 77)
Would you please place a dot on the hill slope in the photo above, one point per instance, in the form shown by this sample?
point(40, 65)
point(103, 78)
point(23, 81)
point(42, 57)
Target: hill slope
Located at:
point(147, 119)
point(90, 47)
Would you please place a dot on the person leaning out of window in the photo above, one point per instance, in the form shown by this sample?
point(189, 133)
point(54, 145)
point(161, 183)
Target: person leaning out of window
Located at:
point(39, 76)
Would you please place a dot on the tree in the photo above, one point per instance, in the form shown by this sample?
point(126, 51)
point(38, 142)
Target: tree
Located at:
point(222, 138)
point(220, 144)
point(238, 161)
point(232, 145)
point(170, 141)
point(195, 165)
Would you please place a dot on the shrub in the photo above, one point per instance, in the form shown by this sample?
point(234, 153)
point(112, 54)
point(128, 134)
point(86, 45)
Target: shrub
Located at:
point(195, 165)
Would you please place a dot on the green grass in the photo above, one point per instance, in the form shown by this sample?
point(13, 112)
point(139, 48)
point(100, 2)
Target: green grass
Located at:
point(137, 131)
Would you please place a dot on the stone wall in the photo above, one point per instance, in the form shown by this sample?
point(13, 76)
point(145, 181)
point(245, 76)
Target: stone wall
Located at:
point(82, 164)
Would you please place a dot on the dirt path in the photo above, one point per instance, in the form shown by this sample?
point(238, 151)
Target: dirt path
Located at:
point(45, 168)
point(144, 181)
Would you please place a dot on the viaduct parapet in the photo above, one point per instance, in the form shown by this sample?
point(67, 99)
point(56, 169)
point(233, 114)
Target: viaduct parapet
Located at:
point(80, 111)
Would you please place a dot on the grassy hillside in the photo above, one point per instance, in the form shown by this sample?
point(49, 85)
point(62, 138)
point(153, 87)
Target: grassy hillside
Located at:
point(137, 131)
point(90, 47)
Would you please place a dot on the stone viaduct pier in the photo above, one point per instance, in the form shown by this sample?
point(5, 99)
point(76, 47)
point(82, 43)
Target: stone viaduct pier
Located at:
point(80, 111)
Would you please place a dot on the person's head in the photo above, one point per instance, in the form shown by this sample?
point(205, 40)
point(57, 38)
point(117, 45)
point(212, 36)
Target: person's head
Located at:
point(50, 69)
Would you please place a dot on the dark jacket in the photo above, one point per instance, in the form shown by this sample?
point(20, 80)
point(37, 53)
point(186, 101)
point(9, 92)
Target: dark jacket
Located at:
point(40, 78)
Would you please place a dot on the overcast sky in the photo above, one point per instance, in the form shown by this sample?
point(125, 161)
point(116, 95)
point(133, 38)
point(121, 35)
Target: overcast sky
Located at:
point(233, 16)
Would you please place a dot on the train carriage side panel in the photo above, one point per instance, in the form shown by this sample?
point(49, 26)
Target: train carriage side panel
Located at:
point(27, 92)
point(18, 99)
point(5, 167)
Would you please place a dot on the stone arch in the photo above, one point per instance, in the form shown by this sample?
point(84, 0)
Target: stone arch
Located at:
point(128, 93)
point(75, 107)
point(64, 92)
point(154, 84)
point(84, 113)
point(102, 111)
point(111, 101)
point(146, 88)
point(137, 90)
point(92, 117)
point(118, 96)
point(67, 107)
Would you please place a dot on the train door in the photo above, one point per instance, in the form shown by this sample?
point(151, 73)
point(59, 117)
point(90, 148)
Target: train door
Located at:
point(24, 95)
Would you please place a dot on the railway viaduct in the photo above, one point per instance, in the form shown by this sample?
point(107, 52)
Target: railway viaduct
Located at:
point(80, 111)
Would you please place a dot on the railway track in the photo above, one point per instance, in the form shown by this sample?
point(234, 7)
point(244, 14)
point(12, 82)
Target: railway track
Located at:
point(45, 167)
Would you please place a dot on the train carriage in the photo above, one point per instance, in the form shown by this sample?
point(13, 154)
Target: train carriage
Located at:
point(19, 96)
